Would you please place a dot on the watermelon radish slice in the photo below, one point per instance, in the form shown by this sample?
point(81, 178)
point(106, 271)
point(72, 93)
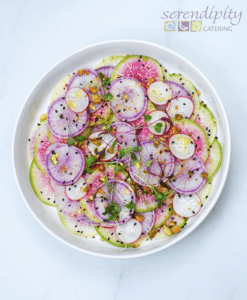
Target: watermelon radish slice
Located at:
point(64, 123)
point(161, 215)
point(182, 146)
point(38, 130)
point(159, 92)
point(109, 235)
point(148, 222)
point(178, 220)
point(191, 90)
point(141, 121)
point(86, 81)
point(60, 88)
point(54, 139)
point(183, 106)
point(41, 185)
point(144, 201)
point(129, 100)
point(143, 68)
point(129, 232)
point(206, 119)
point(100, 116)
point(187, 176)
point(157, 118)
point(77, 225)
point(77, 100)
point(76, 191)
point(214, 160)
point(110, 61)
point(106, 71)
point(64, 164)
point(41, 145)
point(102, 142)
point(197, 133)
point(67, 206)
point(187, 205)
point(205, 191)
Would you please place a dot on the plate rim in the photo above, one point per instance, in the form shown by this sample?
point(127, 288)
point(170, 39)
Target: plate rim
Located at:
point(227, 154)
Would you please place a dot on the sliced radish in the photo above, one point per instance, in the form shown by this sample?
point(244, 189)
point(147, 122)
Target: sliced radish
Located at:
point(182, 146)
point(148, 221)
point(187, 205)
point(187, 176)
point(156, 118)
point(75, 191)
point(181, 105)
point(129, 232)
point(77, 100)
point(159, 92)
point(102, 141)
point(129, 100)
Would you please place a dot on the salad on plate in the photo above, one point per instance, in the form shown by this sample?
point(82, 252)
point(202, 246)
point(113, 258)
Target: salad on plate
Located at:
point(125, 151)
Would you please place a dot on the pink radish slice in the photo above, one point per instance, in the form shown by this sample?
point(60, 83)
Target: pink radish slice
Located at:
point(64, 164)
point(85, 81)
point(159, 92)
point(63, 122)
point(148, 221)
point(105, 141)
point(162, 164)
point(126, 137)
point(183, 106)
point(129, 232)
point(38, 130)
point(77, 100)
point(82, 218)
point(67, 206)
point(182, 146)
point(187, 205)
point(178, 90)
point(107, 71)
point(129, 100)
point(75, 190)
point(187, 178)
point(156, 118)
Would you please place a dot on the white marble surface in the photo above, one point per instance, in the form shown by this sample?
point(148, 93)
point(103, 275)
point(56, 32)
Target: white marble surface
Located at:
point(211, 262)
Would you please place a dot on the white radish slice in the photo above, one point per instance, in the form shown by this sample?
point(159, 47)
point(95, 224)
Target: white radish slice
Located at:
point(182, 146)
point(159, 92)
point(77, 100)
point(129, 232)
point(156, 117)
point(187, 205)
point(183, 106)
point(101, 141)
point(75, 191)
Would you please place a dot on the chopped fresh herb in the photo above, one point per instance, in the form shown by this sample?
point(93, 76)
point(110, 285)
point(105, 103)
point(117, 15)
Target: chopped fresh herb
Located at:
point(113, 210)
point(80, 138)
point(114, 143)
point(133, 156)
point(122, 152)
point(100, 76)
point(130, 205)
point(148, 163)
point(108, 97)
point(88, 170)
point(119, 168)
point(140, 148)
point(90, 160)
point(106, 81)
point(106, 182)
point(157, 127)
point(147, 118)
point(71, 141)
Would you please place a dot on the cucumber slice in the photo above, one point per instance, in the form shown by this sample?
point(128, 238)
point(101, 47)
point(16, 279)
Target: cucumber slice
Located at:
point(214, 160)
point(41, 185)
point(205, 191)
point(188, 85)
point(206, 119)
point(75, 226)
point(110, 61)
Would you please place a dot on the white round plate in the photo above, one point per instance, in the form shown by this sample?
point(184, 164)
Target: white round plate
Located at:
point(37, 102)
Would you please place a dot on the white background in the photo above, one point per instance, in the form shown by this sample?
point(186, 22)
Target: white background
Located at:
point(211, 263)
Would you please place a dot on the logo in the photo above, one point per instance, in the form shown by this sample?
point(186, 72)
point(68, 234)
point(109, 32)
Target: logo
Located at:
point(196, 26)
point(170, 26)
point(183, 26)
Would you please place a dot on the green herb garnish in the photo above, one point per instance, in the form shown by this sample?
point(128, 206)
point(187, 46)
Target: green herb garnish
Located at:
point(71, 141)
point(157, 127)
point(148, 163)
point(147, 118)
point(88, 170)
point(108, 97)
point(130, 205)
point(80, 138)
point(113, 210)
point(90, 160)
